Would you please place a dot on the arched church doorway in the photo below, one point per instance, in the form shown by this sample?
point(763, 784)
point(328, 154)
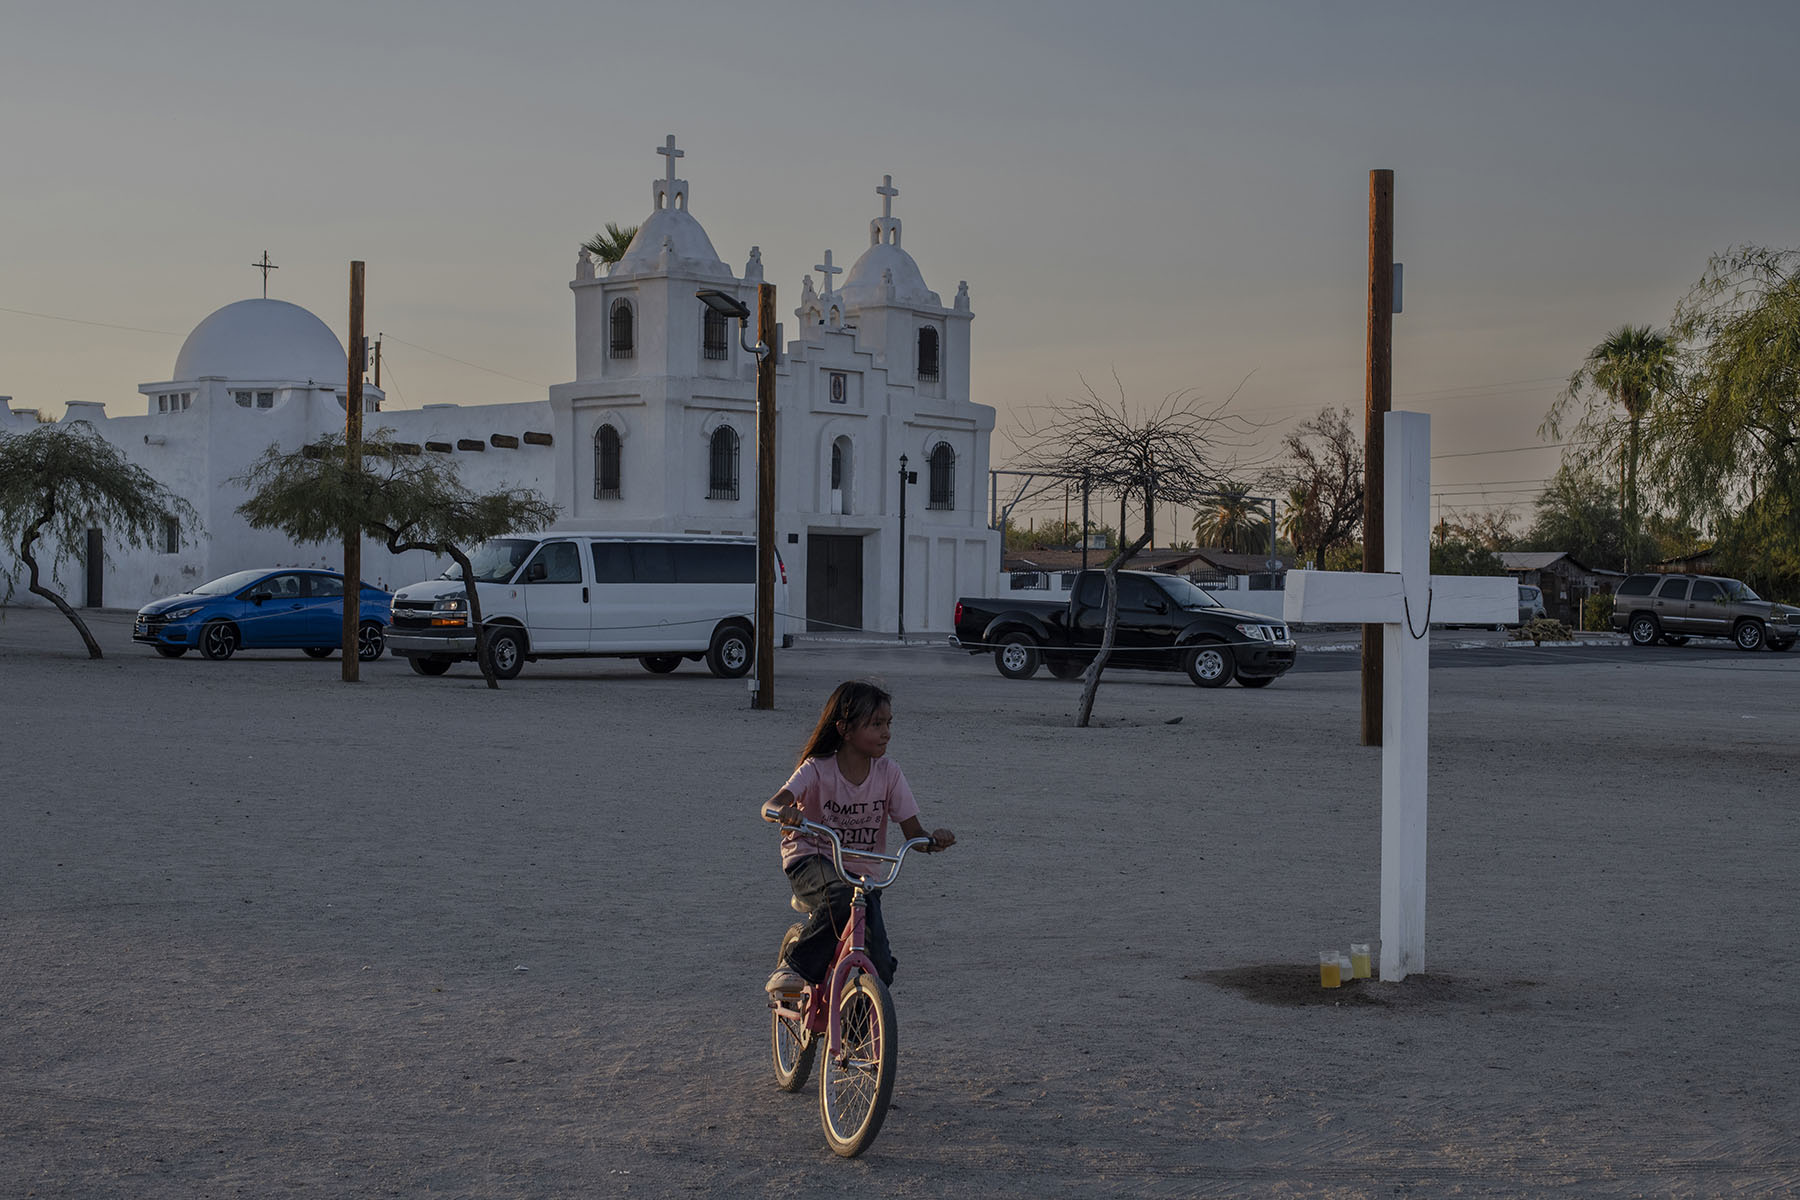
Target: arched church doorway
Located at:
point(834, 582)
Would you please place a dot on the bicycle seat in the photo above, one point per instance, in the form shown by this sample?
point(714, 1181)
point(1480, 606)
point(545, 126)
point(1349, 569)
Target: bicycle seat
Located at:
point(794, 903)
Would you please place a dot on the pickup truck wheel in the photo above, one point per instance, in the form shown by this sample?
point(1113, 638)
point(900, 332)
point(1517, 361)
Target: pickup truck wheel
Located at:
point(1018, 656)
point(1258, 681)
point(1748, 635)
point(1066, 668)
point(1644, 630)
point(1210, 664)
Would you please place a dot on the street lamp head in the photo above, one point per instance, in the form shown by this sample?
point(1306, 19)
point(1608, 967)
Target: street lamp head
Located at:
point(724, 304)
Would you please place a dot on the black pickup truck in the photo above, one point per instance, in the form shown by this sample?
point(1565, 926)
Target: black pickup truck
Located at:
point(1166, 623)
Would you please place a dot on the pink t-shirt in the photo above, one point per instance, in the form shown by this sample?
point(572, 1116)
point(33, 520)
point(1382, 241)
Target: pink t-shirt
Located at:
point(859, 812)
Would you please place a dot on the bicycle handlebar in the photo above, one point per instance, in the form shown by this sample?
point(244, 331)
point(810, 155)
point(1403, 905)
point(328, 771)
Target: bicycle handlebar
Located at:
point(773, 814)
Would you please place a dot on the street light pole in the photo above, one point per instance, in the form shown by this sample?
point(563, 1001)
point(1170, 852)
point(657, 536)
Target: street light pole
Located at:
point(906, 477)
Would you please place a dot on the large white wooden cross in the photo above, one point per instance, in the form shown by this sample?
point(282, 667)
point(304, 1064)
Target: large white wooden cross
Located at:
point(1405, 599)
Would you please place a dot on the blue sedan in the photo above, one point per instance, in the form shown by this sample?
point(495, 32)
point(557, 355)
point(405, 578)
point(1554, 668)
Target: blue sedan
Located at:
point(270, 609)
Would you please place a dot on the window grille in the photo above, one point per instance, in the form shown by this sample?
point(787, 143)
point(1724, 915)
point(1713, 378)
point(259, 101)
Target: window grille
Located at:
point(723, 475)
point(943, 477)
point(606, 463)
point(621, 330)
point(928, 355)
point(717, 343)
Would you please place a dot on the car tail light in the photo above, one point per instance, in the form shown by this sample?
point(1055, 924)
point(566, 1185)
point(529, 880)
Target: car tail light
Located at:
point(959, 612)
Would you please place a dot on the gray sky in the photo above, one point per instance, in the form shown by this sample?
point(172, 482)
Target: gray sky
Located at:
point(1172, 192)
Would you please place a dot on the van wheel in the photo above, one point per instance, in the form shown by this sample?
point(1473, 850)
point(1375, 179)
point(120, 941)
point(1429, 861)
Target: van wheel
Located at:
point(660, 664)
point(731, 651)
point(428, 666)
point(1644, 630)
point(506, 653)
point(1748, 635)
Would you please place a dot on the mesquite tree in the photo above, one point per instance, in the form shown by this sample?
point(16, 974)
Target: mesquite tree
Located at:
point(59, 481)
point(1173, 452)
point(408, 499)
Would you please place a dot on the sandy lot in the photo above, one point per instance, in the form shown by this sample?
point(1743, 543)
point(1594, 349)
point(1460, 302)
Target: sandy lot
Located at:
point(267, 934)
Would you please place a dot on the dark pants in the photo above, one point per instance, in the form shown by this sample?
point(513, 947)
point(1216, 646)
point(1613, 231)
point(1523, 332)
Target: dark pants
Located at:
point(817, 886)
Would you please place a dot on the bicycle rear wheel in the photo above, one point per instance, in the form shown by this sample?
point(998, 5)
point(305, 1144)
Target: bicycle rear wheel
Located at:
point(792, 1044)
point(854, 1093)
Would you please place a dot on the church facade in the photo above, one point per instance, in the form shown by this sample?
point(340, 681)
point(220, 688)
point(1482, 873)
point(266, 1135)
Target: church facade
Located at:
point(656, 432)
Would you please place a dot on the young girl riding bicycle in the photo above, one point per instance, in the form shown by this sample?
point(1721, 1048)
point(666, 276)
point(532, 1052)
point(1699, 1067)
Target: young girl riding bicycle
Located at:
point(843, 780)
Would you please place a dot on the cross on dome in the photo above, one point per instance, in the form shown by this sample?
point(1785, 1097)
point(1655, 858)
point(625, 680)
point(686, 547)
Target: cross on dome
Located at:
point(886, 227)
point(669, 192)
point(265, 266)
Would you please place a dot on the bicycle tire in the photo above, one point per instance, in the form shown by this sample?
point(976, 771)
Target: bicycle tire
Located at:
point(790, 1043)
point(854, 1094)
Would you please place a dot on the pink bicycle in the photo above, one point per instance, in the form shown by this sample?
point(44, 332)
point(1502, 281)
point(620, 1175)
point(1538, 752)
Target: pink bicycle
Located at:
point(851, 1012)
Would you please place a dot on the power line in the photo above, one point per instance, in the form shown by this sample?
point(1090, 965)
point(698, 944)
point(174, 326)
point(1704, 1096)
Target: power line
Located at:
point(79, 321)
point(465, 362)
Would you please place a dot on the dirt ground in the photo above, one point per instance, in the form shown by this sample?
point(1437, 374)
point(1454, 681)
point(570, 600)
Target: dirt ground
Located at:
point(268, 934)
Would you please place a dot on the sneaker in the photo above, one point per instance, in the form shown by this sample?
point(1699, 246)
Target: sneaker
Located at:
point(785, 981)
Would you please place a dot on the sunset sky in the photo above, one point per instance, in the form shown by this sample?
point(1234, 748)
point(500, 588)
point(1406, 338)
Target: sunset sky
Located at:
point(1172, 193)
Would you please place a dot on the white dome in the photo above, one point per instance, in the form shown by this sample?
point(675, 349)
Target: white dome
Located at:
point(265, 340)
point(690, 245)
point(863, 286)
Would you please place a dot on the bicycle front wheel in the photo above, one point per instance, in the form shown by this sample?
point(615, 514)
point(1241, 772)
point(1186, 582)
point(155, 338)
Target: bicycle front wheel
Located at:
point(792, 1043)
point(854, 1092)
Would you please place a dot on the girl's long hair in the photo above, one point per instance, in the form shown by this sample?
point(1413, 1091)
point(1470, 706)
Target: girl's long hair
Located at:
point(852, 703)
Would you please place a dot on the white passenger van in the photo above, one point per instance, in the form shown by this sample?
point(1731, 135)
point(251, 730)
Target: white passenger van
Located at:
point(656, 597)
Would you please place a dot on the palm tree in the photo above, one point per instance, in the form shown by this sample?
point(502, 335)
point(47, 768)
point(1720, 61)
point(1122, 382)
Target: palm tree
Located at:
point(1302, 524)
point(1231, 520)
point(609, 246)
point(1632, 366)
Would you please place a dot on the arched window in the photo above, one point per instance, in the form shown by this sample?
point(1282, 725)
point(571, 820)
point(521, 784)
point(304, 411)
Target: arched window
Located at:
point(621, 329)
point(722, 477)
point(928, 355)
point(717, 341)
point(943, 477)
point(841, 459)
point(606, 463)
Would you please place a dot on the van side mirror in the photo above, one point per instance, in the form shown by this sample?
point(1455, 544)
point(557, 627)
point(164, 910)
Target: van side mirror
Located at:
point(537, 572)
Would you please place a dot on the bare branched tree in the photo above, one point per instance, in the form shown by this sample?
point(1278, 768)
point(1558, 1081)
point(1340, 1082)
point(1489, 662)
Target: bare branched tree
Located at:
point(1323, 472)
point(1174, 452)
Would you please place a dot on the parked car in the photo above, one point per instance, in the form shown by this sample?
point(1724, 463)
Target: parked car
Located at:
point(272, 608)
point(1531, 604)
point(658, 598)
point(1165, 623)
point(1673, 608)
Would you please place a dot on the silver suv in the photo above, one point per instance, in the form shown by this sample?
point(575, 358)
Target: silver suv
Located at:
point(1673, 608)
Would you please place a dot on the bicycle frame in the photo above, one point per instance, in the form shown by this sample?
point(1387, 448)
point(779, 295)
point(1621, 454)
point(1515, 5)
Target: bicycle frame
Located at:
point(819, 1012)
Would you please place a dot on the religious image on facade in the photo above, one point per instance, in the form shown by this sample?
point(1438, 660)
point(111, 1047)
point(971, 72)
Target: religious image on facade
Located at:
point(655, 433)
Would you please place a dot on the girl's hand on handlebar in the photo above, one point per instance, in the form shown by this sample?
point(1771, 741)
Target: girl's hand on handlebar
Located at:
point(941, 839)
point(783, 808)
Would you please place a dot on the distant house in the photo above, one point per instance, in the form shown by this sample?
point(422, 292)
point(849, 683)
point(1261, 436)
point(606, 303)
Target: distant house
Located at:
point(1565, 582)
point(1208, 568)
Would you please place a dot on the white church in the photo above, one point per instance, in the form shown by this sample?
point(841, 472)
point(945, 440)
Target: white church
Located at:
point(655, 433)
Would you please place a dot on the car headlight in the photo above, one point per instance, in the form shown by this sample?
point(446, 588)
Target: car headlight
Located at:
point(1257, 633)
point(182, 613)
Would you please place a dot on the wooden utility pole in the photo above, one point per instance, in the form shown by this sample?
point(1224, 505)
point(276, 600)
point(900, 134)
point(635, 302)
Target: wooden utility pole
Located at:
point(353, 428)
point(765, 498)
point(1378, 395)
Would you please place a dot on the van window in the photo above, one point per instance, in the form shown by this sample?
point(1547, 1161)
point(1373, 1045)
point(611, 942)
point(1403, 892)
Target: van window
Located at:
point(612, 562)
point(561, 562)
point(708, 562)
point(652, 562)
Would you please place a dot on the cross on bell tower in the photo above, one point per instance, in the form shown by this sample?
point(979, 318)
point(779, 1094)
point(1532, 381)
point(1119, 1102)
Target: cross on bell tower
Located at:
point(886, 227)
point(265, 266)
point(669, 191)
point(827, 270)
